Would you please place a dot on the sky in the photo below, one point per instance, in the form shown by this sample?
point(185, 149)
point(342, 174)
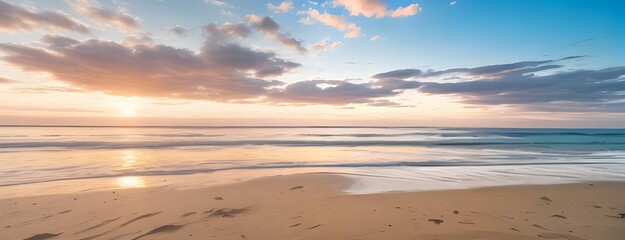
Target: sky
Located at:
point(463, 63)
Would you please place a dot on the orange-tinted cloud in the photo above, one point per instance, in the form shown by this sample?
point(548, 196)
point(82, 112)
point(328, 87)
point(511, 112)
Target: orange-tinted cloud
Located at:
point(409, 10)
point(19, 18)
point(97, 13)
point(4, 80)
point(221, 71)
point(336, 21)
point(376, 8)
point(326, 45)
point(283, 7)
point(368, 8)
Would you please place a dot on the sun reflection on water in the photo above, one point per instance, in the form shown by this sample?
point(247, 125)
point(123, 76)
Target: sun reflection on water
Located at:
point(130, 182)
point(129, 158)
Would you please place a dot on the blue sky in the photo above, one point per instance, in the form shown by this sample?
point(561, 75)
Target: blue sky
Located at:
point(434, 35)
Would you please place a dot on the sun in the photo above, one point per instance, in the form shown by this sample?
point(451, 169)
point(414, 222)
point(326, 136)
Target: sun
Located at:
point(128, 111)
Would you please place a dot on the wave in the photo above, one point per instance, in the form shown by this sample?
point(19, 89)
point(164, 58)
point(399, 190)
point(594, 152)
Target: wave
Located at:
point(196, 170)
point(590, 134)
point(293, 143)
point(473, 134)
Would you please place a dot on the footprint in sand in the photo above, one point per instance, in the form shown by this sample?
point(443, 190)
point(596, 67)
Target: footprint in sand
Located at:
point(541, 227)
point(43, 236)
point(121, 225)
point(559, 216)
point(97, 226)
point(436, 221)
point(124, 235)
point(140, 217)
point(550, 235)
point(64, 212)
point(188, 214)
point(559, 236)
point(228, 213)
point(313, 227)
point(466, 222)
point(161, 229)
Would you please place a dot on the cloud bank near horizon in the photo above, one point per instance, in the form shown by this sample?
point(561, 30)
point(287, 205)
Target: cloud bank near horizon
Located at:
point(226, 69)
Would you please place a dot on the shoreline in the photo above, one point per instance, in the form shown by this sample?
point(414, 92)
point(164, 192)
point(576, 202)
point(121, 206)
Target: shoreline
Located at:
point(362, 183)
point(315, 206)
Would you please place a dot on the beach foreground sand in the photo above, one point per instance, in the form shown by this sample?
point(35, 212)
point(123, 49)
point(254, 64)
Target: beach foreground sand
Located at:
point(312, 206)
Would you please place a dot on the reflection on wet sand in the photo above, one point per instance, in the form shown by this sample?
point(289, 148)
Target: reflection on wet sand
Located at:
point(130, 182)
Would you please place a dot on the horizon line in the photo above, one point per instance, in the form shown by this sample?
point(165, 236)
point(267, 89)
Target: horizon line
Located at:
point(277, 126)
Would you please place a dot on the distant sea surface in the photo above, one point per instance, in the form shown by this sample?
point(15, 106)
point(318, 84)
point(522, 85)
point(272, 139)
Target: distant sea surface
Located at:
point(402, 158)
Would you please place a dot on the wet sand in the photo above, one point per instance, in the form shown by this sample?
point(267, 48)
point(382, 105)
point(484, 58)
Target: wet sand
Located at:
point(313, 206)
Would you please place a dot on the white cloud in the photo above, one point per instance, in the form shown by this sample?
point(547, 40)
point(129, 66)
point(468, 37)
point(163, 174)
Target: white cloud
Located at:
point(306, 21)
point(324, 45)
point(218, 3)
point(376, 8)
point(284, 7)
point(409, 10)
point(336, 21)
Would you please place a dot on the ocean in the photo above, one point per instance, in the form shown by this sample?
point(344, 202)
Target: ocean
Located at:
point(379, 158)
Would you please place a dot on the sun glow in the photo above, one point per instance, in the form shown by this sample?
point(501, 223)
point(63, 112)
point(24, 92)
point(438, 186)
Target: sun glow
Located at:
point(129, 111)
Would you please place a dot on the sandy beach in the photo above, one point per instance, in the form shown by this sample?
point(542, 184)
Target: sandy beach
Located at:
point(313, 206)
point(312, 120)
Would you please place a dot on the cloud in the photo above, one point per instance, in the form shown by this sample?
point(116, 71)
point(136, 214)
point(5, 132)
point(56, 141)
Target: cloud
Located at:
point(272, 31)
point(385, 103)
point(306, 21)
point(407, 11)
point(527, 85)
point(332, 92)
point(221, 70)
point(323, 45)
point(5, 80)
point(50, 109)
point(337, 22)
point(141, 39)
point(46, 89)
point(179, 30)
point(520, 85)
point(218, 3)
point(452, 3)
point(376, 8)
point(582, 86)
point(284, 7)
point(375, 38)
point(20, 18)
point(399, 74)
point(368, 8)
point(497, 70)
point(227, 31)
point(119, 18)
point(228, 13)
